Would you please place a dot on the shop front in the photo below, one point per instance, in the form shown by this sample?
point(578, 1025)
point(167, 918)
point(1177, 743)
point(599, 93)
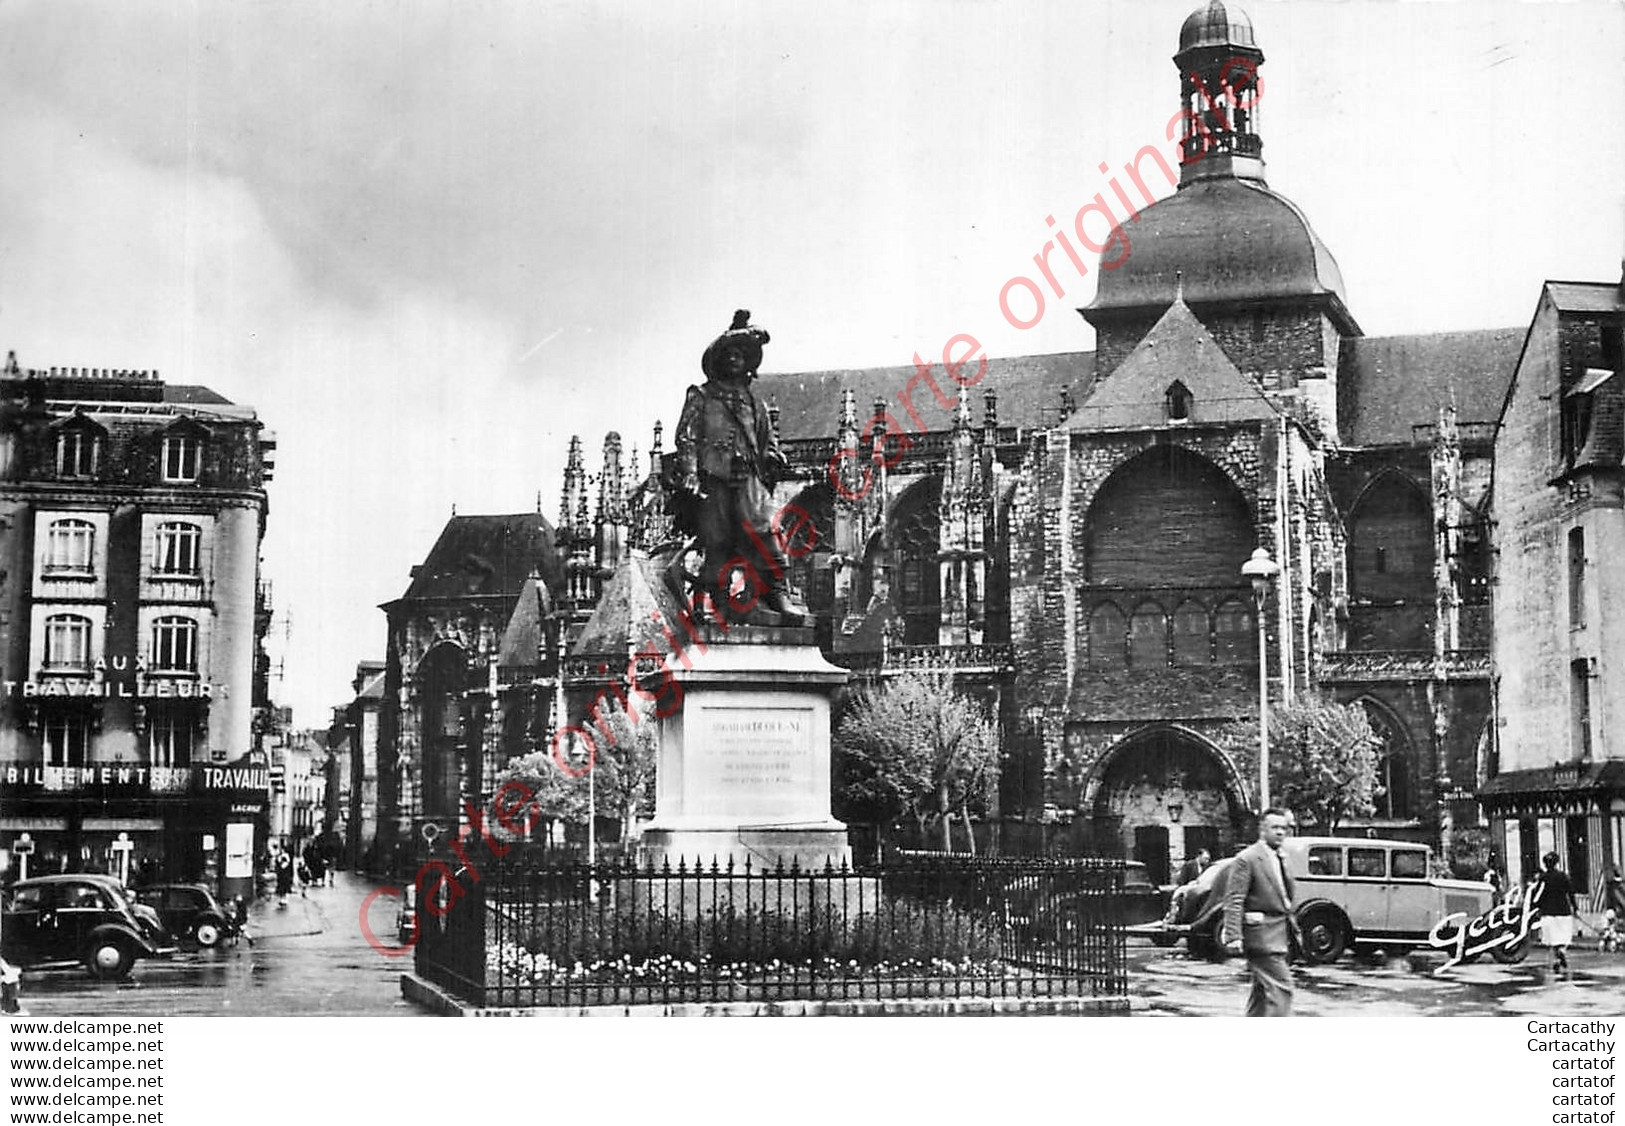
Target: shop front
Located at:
point(140, 824)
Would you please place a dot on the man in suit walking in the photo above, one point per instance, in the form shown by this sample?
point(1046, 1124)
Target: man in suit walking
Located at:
point(1258, 920)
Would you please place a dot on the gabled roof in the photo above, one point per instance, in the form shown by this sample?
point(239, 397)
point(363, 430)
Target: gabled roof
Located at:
point(488, 555)
point(636, 590)
point(1391, 384)
point(1028, 388)
point(1179, 349)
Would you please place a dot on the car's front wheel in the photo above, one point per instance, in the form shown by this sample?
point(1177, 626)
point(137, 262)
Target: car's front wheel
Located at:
point(1324, 936)
point(206, 933)
point(110, 959)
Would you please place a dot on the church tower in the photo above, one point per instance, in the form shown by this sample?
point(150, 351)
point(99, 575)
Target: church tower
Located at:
point(1218, 63)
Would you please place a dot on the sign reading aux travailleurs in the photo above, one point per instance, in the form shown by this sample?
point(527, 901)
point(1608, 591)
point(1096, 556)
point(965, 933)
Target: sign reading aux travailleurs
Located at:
point(113, 679)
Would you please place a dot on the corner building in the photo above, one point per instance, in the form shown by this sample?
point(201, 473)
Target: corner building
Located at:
point(131, 514)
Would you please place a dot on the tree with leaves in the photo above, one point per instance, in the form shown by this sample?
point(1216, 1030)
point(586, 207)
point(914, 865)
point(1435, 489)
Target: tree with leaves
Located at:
point(915, 745)
point(1323, 760)
point(622, 765)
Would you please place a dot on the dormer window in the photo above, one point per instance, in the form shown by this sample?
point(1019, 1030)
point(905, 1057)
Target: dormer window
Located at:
point(1177, 402)
point(78, 452)
point(182, 457)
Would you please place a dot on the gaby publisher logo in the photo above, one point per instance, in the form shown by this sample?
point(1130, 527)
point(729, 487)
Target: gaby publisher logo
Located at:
point(1502, 927)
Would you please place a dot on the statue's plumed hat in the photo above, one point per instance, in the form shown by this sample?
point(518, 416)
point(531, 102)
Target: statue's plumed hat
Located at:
point(742, 335)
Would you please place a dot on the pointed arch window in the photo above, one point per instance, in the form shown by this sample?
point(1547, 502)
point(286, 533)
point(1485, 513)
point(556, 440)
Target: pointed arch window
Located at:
point(1177, 402)
point(1393, 794)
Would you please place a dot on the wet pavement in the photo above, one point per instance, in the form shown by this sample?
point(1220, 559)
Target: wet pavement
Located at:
point(1170, 983)
point(308, 959)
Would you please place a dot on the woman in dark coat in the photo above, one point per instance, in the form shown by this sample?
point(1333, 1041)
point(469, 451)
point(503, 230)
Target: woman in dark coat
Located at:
point(1555, 901)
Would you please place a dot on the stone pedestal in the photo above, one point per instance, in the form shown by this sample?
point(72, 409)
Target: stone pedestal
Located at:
point(744, 766)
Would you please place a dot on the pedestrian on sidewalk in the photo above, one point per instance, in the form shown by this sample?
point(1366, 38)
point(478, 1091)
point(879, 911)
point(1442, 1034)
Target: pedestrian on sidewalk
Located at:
point(283, 867)
point(1258, 919)
point(1554, 899)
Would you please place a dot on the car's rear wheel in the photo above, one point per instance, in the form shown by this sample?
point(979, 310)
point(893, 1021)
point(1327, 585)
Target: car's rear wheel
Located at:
point(206, 933)
point(110, 959)
point(1324, 935)
point(1164, 939)
point(1511, 955)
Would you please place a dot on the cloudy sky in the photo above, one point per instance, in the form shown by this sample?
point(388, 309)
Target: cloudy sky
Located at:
point(429, 241)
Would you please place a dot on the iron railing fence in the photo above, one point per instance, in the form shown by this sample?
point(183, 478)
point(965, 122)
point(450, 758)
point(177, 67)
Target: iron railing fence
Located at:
point(571, 934)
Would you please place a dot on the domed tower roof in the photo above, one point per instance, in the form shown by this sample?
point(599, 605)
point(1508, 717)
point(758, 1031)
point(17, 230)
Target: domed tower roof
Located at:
point(1222, 240)
point(1223, 237)
point(1216, 25)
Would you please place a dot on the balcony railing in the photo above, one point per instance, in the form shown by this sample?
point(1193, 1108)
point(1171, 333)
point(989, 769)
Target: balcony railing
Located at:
point(1404, 664)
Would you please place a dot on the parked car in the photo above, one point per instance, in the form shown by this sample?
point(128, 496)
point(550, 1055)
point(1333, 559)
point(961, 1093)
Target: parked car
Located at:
point(88, 920)
point(190, 911)
point(1351, 892)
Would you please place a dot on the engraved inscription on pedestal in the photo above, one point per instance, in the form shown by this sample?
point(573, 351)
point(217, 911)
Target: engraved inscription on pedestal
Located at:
point(753, 761)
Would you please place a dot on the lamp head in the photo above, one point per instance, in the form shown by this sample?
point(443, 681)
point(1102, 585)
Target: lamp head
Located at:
point(1261, 571)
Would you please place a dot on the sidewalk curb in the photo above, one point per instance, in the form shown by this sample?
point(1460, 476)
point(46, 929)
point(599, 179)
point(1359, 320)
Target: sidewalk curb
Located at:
point(441, 1003)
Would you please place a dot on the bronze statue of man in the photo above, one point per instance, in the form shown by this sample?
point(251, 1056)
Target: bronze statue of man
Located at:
point(728, 460)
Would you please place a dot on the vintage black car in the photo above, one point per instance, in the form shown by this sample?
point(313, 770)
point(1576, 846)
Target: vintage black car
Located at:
point(190, 911)
point(87, 920)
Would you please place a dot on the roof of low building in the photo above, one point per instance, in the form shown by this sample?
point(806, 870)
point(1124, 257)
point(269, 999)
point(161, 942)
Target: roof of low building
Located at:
point(1561, 778)
point(488, 555)
point(1389, 385)
point(1587, 297)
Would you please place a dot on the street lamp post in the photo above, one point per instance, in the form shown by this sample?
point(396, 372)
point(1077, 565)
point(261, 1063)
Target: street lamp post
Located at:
point(1261, 571)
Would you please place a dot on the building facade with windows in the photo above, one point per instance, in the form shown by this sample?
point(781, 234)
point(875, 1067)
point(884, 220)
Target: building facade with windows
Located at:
point(1556, 780)
point(131, 514)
